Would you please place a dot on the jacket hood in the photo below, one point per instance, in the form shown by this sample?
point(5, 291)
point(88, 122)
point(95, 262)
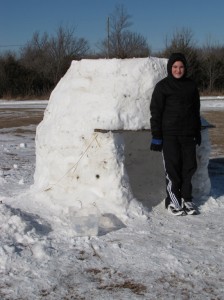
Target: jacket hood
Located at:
point(173, 58)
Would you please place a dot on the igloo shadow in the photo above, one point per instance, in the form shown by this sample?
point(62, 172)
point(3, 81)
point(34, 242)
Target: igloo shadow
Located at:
point(109, 222)
point(144, 168)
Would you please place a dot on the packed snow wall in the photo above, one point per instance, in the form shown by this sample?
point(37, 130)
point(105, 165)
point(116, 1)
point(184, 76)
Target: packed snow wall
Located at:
point(76, 167)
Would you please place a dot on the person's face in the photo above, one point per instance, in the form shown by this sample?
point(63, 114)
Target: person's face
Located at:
point(178, 69)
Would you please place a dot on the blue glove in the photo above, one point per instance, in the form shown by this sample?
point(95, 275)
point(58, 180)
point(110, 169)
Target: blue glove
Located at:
point(156, 144)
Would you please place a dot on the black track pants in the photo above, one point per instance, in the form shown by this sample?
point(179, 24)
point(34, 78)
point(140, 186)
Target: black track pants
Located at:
point(179, 156)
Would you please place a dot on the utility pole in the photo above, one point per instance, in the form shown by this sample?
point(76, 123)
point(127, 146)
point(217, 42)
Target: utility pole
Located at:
point(108, 37)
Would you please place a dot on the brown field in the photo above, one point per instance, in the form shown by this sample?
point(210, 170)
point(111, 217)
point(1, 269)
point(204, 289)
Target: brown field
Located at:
point(16, 117)
point(216, 134)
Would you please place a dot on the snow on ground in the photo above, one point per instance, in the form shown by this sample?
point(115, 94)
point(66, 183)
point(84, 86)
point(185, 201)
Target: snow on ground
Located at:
point(162, 257)
point(215, 103)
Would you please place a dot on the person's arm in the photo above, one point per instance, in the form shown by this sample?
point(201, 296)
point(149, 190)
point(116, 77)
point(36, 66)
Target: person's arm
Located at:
point(197, 107)
point(156, 109)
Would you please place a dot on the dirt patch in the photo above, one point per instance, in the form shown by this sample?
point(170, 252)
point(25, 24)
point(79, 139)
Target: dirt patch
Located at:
point(216, 134)
point(17, 117)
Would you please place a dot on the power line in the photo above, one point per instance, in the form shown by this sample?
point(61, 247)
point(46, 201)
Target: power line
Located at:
point(6, 46)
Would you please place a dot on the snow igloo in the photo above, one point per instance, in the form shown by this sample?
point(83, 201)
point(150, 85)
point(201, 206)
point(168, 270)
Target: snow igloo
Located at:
point(80, 166)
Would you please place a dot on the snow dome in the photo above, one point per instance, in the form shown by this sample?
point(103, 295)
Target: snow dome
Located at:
point(79, 168)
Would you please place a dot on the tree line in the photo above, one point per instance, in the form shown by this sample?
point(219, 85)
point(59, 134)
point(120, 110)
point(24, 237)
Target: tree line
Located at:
point(40, 64)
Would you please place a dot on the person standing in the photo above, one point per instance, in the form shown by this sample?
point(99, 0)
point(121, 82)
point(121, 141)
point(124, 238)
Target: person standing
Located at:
point(175, 126)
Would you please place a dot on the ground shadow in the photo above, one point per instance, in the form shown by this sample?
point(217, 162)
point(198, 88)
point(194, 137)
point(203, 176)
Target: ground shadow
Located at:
point(145, 169)
point(108, 223)
point(216, 174)
point(32, 221)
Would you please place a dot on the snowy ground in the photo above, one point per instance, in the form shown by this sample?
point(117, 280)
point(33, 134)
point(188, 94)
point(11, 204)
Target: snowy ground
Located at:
point(164, 257)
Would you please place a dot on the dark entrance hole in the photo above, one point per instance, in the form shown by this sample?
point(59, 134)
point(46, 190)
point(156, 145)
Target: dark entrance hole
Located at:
point(145, 168)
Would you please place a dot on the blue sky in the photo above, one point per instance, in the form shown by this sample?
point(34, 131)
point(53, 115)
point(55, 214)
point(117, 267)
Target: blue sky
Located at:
point(154, 19)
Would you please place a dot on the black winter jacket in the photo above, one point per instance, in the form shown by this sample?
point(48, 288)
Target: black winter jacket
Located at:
point(175, 108)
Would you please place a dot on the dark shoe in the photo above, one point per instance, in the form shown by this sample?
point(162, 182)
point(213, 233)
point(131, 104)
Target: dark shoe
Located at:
point(190, 208)
point(176, 211)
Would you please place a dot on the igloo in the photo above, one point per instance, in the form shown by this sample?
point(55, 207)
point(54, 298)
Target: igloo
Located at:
point(79, 144)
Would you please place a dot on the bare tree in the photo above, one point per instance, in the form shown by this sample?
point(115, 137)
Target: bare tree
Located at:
point(15, 79)
point(34, 55)
point(182, 41)
point(120, 42)
point(63, 48)
point(211, 73)
point(50, 56)
point(212, 61)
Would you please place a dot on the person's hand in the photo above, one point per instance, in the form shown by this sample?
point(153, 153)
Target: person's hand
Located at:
point(198, 139)
point(156, 144)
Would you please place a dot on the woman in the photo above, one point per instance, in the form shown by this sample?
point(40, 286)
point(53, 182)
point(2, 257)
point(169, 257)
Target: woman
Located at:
point(175, 126)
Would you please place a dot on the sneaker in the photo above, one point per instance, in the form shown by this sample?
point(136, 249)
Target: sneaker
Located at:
point(176, 211)
point(189, 208)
